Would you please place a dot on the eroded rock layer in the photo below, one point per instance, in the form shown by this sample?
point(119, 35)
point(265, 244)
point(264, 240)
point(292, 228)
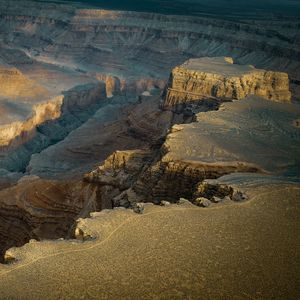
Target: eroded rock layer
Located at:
point(38, 209)
point(203, 78)
point(50, 122)
point(43, 209)
point(104, 72)
point(178, 250)
point(250, 136)
point(58, 46)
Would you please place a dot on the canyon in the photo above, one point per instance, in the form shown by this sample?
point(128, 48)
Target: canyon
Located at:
point(116, 122)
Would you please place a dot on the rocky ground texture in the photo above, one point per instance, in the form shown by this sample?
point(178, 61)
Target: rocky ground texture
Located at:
point(170, 252)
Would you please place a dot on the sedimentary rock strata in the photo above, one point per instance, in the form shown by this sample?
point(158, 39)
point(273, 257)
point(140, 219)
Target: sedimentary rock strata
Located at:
point(49, 123)
point(43, 209)
point(60, 46)
point(19, 132)
point(119, 125)
point(82, 93)
point(230, 140)
point(202, 78)
point(252, 131)
point(17, 86)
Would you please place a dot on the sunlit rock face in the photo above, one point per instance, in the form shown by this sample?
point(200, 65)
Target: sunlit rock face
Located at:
point(250, 134)
point(50, 122)
point(254, 137)
point(51, 48)
point(17, 86)
point(220, 78)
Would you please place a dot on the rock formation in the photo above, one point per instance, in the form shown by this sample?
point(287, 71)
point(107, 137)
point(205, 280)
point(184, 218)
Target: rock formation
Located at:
point(58, 46)
point(119, 253)
point(43, 209)
point(17, 86)
point(83, 93)
point(216, 143)
point(232, 139)
point(117, 126)
point(203, 78)
point(50, 122)
point(17, 133)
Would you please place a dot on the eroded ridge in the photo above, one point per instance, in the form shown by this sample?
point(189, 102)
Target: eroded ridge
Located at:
point(202, 78)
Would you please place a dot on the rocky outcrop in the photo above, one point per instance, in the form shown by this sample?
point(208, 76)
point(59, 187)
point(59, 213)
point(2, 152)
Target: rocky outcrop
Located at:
point(172, 180)
point(131, 87)
point(202, 78)
point(253, 131)
point(17, 133)
point(113, 84)
point(231, 140)
point(120, 169)
point(41, 209)
point(115, 126)
point(118, 174)
point(50, 122)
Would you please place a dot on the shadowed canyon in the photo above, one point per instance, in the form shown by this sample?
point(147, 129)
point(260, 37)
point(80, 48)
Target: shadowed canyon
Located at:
point(149, 150)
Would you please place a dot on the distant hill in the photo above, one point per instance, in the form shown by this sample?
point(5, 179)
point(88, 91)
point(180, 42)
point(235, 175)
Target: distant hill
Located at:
point(224, 8)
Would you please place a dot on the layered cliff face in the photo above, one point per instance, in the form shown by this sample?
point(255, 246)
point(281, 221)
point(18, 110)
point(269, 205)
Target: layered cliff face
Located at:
point(58, 46)
point(41, 209)
point(17, 86)
point(105, 71)
point(118, 42)
point(50, 122)
point(210, 147)
point(17, 133)
point(250, 136)
point(202, 78)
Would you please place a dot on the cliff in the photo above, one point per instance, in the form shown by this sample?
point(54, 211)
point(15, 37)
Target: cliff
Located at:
point(15, 85)
point(43, 209)
point(131, 42)
point(173, 252)
point(46, 123)
point(250, 136)
point(203, 78)
point(19, 132)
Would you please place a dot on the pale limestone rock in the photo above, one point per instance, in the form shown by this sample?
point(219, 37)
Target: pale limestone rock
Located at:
point(204, 202)
point(183, 201)
point(139, 208)
point(219, 77)
point(253, 133)
point(239, 196)
point(165, 203)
